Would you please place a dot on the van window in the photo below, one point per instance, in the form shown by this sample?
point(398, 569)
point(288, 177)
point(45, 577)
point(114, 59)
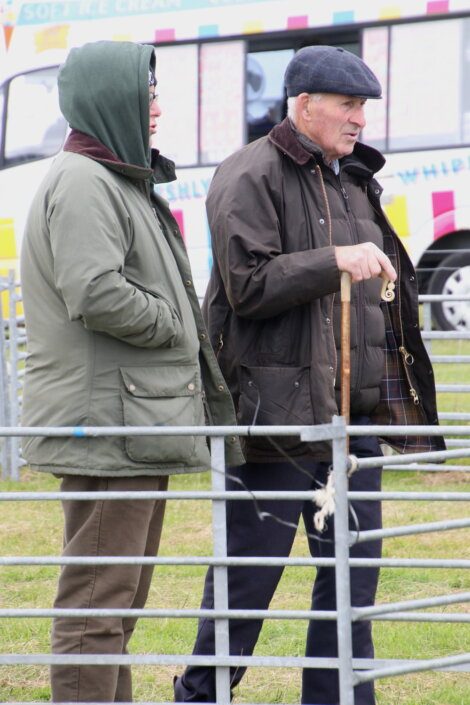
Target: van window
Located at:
point(265, 96)
point(35, 127)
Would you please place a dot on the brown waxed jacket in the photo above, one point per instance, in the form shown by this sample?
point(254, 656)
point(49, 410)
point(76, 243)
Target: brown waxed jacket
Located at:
point(276, 213)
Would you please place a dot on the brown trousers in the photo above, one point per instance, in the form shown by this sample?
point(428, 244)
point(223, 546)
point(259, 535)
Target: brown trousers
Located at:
point(103, 528)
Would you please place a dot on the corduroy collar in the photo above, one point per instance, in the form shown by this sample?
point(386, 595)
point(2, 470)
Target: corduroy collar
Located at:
point(162, 171)
point(285, 139)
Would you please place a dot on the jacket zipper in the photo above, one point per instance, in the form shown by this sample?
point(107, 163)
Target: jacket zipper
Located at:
point(408, 360)
point(407, 357)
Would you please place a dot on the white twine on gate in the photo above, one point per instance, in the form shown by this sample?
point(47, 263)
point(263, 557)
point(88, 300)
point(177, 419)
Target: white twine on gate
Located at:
point(325, 499)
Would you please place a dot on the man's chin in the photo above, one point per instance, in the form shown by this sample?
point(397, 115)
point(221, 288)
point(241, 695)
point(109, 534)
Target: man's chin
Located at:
point(347, 149)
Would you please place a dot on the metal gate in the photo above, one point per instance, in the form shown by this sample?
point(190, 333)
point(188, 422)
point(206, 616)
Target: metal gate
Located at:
point(351, 670)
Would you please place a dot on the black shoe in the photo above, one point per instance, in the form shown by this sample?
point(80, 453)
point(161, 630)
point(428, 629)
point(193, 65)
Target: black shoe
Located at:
point(182, 694)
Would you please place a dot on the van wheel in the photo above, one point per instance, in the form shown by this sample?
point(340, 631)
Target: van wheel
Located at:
point(451, 276)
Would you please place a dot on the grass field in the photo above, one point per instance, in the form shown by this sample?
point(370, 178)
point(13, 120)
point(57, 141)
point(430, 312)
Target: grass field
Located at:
point(28, 528)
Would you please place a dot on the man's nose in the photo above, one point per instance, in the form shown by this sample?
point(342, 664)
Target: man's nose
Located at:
point(359, 117)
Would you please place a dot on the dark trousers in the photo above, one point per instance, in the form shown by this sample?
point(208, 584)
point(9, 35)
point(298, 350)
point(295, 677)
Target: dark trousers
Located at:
point(253, 587)
point(103, 528)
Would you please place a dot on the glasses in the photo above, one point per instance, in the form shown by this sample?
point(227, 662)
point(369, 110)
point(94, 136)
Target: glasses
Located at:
point(152, 97)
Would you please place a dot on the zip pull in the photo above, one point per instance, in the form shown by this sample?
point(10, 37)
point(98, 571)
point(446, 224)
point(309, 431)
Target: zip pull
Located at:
point(221, 343)
point(414, 394)
point(407, 357)
point(346, 198)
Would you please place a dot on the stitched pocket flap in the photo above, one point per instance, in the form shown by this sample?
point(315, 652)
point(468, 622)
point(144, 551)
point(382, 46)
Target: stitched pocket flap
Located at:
point(162, 381)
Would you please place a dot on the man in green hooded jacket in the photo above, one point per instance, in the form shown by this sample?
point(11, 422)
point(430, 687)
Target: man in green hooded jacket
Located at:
point(115, 337)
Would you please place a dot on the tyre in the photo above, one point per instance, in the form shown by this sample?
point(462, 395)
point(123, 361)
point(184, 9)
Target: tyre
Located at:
point(451, 276)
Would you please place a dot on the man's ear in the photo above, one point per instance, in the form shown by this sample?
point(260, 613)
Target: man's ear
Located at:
point(304, 104)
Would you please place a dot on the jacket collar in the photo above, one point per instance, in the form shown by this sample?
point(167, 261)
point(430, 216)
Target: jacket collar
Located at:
point(364, 160)
point(162, 171)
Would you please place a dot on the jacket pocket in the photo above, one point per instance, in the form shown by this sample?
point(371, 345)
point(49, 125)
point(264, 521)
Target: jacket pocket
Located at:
point(275, 396)
point(161, 396)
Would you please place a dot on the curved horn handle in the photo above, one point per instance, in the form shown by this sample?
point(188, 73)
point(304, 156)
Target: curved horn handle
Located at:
point(388, 289)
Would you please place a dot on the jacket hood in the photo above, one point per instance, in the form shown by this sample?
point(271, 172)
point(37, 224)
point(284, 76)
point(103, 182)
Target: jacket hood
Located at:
point(103, 93)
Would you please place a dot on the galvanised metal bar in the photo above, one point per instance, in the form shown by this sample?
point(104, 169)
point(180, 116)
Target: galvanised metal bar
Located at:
point(382, 430)
point(176, 659)
point(229, 494)
point(444, 359)
point(445, 335)
point(412, 496)
point(453, 416)
point(318, 433)
point(374, 534)
point(444, 617)
point(360, 463)
point(430, 298)
point(237, 561)
point(396, 615)
point(429, 467)
point(425, 665)
point(226, 614)
point(457, 442)
point(453, 388)
point(219, 534)
point(218, 613)
point(342, 573)
point(389, 608)
point(168, 659)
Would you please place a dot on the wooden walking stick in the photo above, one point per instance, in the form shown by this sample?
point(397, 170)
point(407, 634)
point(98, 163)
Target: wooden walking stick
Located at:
point(345, 345)
point(325, 497)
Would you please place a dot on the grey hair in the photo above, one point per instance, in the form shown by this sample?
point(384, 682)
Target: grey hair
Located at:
point(292, 102)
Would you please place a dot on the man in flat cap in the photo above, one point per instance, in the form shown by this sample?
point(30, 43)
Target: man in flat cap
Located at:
point(288, 213)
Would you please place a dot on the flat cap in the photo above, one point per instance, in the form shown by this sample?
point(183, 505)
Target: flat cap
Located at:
point(324, 69)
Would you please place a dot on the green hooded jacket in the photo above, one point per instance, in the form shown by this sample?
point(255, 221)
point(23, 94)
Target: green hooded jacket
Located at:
point(115, 333)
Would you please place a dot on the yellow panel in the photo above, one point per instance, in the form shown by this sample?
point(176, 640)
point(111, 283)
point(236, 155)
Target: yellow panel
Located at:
point(389, 12)
point(52, 38)
point(4, 300)
point(7, 239)
point(252, 28)
point(397, 211)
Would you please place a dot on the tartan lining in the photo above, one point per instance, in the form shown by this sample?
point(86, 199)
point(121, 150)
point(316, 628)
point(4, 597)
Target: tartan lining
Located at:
point(396, 406)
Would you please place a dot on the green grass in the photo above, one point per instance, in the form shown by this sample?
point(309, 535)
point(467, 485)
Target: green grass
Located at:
point(28, 528)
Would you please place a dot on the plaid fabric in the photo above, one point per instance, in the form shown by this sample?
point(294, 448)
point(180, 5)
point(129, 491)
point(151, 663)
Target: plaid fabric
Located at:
point(396, 406)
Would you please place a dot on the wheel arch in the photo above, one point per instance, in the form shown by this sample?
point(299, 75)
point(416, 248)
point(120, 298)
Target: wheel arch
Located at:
point(437, 252)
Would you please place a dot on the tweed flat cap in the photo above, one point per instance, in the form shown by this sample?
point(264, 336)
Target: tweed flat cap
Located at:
point(324, 69)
